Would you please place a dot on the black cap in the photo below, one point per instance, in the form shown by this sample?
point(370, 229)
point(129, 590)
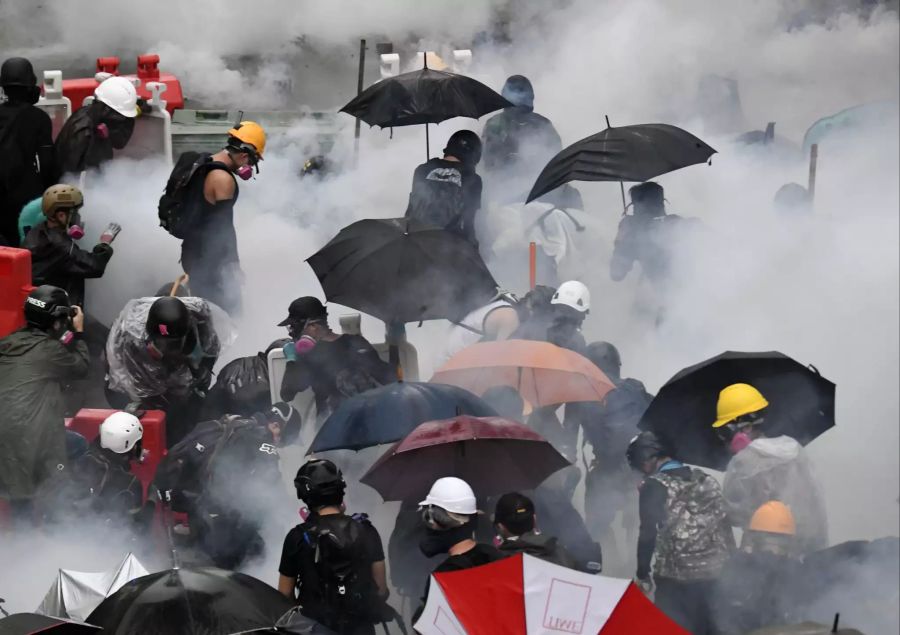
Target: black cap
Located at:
point(305, 308)
point(515, 511)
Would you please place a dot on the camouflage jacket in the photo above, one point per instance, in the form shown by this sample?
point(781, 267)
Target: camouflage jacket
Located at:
point(695, 540)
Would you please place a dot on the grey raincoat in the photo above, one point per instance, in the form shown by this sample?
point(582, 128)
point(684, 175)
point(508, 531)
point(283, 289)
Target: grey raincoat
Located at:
point(33, 369)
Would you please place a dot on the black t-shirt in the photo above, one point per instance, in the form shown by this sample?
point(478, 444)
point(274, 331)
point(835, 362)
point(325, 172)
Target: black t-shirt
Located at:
point(296, 546)
point(475, 557)
point(336, 370)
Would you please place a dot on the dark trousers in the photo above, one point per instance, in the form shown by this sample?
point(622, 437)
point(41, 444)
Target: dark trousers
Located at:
point(687, 603)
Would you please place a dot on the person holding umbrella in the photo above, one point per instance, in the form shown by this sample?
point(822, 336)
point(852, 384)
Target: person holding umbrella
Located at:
point(446, 192)
point(684, 525)
point(766, 468)
point(334, 366)
point(646, 235)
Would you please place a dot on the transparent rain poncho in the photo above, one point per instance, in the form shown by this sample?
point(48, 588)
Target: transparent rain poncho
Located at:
point(777, 469)
point(134, 372)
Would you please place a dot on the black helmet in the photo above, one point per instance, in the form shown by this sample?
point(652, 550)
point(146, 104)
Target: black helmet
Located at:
point(648, 197)
point(168, 317)
point(17, 71)
point(644, 447)
point(465, 146)
point(319, 482)
point(46, 304)
point(287, 417)
point(518, 91)
point(606, 357)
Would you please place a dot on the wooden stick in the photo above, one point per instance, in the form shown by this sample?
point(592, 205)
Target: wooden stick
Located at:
point(813, 161)
point(532, 265)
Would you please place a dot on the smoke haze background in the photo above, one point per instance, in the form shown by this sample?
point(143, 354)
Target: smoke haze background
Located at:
point(823, 290)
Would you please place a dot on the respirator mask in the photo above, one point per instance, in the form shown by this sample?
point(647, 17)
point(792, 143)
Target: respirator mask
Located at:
point(74, 225)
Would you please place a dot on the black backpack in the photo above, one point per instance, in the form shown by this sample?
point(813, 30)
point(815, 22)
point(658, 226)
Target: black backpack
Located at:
point(177, 214)
point(244, 383)
point(337, 587)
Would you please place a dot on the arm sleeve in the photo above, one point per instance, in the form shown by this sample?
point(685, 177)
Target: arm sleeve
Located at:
point(289, 566)
point(87, 264)
point(623, 251)
point(652, 505)
point(296, 380)
point(70, 361)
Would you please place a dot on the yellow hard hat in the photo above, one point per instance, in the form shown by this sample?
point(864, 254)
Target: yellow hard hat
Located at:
point(252, 134)
point(60, 196)
point(774, 517)
point(737, 400)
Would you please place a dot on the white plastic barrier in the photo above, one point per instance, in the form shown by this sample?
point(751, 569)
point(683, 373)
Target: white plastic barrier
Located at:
point(462, 59)
point(53, 102)
point(152, 135)
point(390, 65)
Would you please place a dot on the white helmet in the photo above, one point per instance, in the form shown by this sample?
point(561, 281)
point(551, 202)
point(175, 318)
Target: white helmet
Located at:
point(453, 495)
point(120, 432)
point(573, 294)
point(119, 94)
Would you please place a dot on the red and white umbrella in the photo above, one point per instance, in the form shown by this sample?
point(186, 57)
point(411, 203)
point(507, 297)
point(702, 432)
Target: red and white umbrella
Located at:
point(524, 595)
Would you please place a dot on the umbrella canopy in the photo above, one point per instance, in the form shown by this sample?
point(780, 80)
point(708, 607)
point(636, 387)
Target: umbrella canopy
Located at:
point(801, 403)
point(29, 623)
point(805, 628)
point(401, 270)
point(423, 96)
point(543, 373)
point(491, 454)
point(75, 594)
point(294, 623)
point(191, 600)
point(628, 153)
point(526, 595)
point(388, 413)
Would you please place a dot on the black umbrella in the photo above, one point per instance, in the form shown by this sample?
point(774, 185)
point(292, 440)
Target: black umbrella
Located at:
point(401, 270)
point(293, 623)
point(388, 413)
point(29, 623)
point(628, 153)
point(190, 600)
point(801, 403)
point(423, 97)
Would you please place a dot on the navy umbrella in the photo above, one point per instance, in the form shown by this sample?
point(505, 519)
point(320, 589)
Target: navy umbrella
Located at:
point(801, 403)
point(388, 413)
point(31, 623)
point(627, 153)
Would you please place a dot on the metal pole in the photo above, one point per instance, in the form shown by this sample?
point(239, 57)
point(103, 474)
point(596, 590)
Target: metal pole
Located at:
point(621, 185)
point(359, 89)
point(427, 144)
point(813, 161)
point(532, 265)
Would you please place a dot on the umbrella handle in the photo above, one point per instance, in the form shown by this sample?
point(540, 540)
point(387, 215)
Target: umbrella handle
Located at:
point(814, 369)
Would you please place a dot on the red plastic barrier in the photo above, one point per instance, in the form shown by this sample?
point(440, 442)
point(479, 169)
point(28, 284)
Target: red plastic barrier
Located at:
point(86, 422)
point(147, 71)
point(15, 285)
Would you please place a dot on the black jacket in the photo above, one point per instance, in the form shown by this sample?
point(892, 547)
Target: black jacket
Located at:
point(58, 260)
point(541, 546)
point(33, 169)
point(446, 194)
point(79, 146)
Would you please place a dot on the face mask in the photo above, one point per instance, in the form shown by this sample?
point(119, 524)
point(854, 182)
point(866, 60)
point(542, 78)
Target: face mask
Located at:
point(739, 441)
point(438, 541)
point(75, 229)
point(305, 344)
point(102, 131)
point(245, 172)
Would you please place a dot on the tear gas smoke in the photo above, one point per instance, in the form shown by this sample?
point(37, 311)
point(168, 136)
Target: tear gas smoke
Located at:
point(822, 289)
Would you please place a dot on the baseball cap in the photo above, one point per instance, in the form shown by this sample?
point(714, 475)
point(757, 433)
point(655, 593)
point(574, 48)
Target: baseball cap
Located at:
point(305, 308)
point(516, 512)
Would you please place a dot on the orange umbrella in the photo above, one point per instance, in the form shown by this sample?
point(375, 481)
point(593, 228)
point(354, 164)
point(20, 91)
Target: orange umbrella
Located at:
point(544, 374)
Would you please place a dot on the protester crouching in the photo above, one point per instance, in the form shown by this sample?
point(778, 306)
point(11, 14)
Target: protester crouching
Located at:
point(516, 524)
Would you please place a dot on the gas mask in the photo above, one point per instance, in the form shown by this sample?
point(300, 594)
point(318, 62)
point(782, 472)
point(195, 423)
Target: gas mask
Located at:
point(736, 436)
point(245, 172)
point(74, 226)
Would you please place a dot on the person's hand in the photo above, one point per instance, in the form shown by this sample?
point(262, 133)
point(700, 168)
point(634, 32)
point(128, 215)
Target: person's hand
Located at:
point(109, 234)
point(646, 585)
point(290, 351)
point(78, 319)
